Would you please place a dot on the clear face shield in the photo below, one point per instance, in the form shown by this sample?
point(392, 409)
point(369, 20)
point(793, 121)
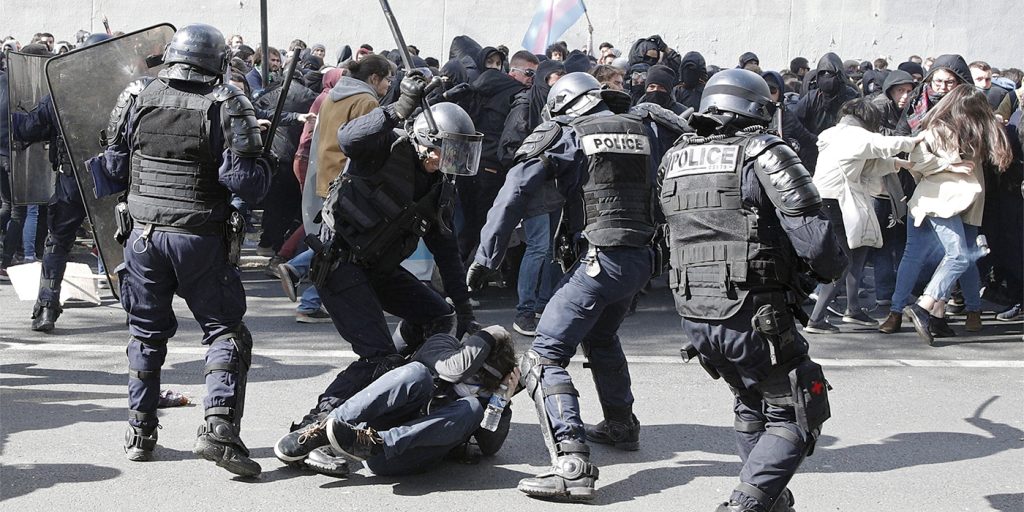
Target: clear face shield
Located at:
point(459, 154)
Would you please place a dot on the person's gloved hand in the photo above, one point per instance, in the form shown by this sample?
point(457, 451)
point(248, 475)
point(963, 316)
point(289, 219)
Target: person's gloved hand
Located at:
point(465, 320)
point(659, 42)
point(476, 276)
point(412, 88)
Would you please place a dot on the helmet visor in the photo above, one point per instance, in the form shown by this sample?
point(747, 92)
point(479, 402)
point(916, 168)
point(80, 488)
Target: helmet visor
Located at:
point(460, 154)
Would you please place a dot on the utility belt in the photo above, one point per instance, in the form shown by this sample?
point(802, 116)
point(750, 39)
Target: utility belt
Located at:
point(233, 230)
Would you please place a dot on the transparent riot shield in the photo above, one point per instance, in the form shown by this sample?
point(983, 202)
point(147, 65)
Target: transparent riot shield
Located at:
point(85, 84)
point(32, 175)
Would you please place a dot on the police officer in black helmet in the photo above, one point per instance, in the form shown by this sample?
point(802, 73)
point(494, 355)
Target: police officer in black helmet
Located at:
point(743, 219)
point(601, 160)
point(398, 189)
point(185, 142)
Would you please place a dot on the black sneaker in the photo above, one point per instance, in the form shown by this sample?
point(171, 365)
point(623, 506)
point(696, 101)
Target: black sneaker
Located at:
point(139, 443)
point(940, 328)
point(356, 443)
point(525, 324)
point(218, 442)
point(624, 436)
point(922, 321)
point(822, 327)
point(295, 446)
point(289, 281)
point(319, 316)
point(324, 461)
point(860, 318)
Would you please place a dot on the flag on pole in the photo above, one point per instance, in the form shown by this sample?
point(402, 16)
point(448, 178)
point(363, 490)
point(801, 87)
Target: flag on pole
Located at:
point(550, 21)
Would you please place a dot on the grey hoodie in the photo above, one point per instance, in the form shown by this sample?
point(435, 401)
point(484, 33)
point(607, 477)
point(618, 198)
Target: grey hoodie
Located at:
point(349, 86)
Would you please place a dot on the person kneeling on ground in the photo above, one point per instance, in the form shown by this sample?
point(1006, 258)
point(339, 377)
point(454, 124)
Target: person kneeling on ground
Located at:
point(411, 417)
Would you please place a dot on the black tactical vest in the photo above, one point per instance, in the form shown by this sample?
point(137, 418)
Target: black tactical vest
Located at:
point(379, 218)
point(722, 247)
point(174, 169)
point(619, 189)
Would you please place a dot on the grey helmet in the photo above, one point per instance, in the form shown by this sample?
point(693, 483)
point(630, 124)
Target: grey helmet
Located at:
point(574, 94)
point(456, 140)
point(92, 39)
point(196, 53)
point(740, 92)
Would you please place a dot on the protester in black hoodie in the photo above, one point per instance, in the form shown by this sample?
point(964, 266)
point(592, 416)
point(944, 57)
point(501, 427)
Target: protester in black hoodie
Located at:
point(661, 80)
point(828, 88)
point(896, 92)
point(494, 90)
point(804, 142)
point(693, 74)
point(527, 107)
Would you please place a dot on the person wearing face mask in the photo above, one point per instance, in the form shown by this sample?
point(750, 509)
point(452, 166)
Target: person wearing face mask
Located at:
point(945, 73)
point(828, 88)
point(693, 73)
point(660, 83)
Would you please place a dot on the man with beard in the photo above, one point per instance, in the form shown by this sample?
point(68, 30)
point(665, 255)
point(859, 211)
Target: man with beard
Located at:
point(693, 74)
point(660, 83)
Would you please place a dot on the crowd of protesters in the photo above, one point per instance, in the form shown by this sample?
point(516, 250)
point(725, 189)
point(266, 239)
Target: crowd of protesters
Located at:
point(918, 163)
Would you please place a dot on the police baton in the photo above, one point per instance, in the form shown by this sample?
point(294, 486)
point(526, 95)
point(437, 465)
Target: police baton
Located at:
point(406, 58)
point(276, 120)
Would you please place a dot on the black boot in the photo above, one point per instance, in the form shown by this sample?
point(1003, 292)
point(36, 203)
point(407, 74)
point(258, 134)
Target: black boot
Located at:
point(324, 461)
point(218, 441)
point(139, 443)
point(624, 436)
point(572, 477)
point(44, 317)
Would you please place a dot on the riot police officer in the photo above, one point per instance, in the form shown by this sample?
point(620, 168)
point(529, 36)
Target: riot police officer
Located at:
point(185, 142)
point(374, 216)
point(601, 162)
point(743, 219)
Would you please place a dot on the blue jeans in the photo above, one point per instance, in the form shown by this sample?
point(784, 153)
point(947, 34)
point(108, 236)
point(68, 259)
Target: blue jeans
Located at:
point(959, 242)
point(921, 242)
point(538, 274)
point(310, 301)
point(28, 238)
point(413, 442)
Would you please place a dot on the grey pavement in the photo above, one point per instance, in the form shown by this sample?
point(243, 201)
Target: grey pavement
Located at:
point(914, 428)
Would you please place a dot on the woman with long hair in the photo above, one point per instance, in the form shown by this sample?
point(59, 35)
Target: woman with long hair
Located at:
point(962, 135)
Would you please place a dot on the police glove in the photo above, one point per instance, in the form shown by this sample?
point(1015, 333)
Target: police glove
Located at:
point(476, 276)
point(412, 88)
point(465, 320)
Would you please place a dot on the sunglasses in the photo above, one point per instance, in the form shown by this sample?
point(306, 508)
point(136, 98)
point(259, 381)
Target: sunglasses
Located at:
point(528, 72)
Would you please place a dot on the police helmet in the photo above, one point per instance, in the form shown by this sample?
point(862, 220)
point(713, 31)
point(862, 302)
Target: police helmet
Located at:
point(98, 37)
point(199, 46)
point(737, 91)
point(574, 94)
point(456, 139)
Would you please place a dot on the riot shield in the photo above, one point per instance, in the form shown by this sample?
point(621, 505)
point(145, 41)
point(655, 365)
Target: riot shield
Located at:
point(32, 175)
point(85, 84)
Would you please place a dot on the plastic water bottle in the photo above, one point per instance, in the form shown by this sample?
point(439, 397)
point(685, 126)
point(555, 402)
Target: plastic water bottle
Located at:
point(492, 415)
point(982, 243)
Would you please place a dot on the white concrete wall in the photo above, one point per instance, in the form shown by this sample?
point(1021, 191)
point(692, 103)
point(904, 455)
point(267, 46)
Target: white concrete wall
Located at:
point(721, 29)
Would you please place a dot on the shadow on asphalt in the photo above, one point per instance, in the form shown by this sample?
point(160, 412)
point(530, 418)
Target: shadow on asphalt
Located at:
point(1006, 502)
point(20, 479)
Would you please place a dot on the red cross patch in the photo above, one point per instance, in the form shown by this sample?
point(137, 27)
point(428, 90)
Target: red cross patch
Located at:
point(817, 387)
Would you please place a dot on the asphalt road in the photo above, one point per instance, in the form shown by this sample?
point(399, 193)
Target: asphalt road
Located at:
point(914, 428)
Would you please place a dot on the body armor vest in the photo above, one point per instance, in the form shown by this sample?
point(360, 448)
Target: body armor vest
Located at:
point(378, 218)
point(722, 247)
point(618, 193)
point(174, 169)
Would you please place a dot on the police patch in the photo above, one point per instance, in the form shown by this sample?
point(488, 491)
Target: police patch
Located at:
point(625, 143)
point(702, 159)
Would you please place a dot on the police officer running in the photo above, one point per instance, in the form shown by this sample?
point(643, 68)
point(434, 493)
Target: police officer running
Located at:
point(601, 162)
point(743, 220)
point(185, 142)
point(373, 218)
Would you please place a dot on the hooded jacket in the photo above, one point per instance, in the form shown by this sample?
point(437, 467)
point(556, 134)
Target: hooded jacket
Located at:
point(890, 112)
point(467, 51)
point(923, 98)
point(495, 90)
point(803, 141)
point(830, 87)
point(693, 74)
point(348, 99)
